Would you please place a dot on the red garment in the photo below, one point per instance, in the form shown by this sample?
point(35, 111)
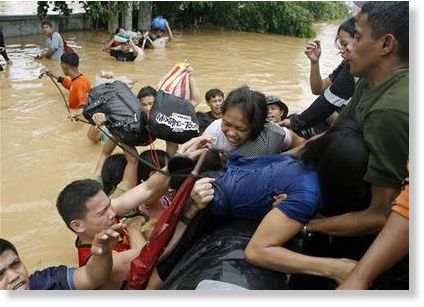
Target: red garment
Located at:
point(84, 250)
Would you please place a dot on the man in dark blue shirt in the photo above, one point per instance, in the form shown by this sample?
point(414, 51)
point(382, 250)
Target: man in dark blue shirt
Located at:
point(14, 275)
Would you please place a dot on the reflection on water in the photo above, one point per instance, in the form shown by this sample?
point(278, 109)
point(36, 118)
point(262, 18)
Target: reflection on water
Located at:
point(41, 151)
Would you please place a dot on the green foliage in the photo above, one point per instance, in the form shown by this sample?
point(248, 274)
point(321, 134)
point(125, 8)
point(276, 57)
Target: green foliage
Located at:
point(288, 18)
point(58, 6)
point(62, 7)
point(326, 10)
point(42, 9)
point(99, 12)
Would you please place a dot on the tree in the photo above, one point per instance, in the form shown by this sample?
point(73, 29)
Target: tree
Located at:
point(57, 6)
point(144, 15)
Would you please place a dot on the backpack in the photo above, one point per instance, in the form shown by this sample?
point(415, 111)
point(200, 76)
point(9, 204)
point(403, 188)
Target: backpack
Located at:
point(126, 119)
point(173, 119)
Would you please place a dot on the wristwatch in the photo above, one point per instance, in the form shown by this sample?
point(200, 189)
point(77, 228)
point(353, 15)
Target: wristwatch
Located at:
point(186, 220)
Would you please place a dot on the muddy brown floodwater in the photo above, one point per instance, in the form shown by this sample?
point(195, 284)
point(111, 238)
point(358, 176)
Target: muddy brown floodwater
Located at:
point(42, 151)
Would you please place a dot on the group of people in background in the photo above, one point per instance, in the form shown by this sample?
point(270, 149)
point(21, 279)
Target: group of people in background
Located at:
point(336, 173)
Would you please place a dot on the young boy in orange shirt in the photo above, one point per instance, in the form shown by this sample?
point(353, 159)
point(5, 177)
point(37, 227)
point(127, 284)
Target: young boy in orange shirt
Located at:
point(79, 86)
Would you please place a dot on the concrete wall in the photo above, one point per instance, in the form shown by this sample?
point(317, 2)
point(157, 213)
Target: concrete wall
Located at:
point(15, 25)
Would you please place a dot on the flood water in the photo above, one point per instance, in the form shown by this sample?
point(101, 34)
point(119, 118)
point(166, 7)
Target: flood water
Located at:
point(42, 151)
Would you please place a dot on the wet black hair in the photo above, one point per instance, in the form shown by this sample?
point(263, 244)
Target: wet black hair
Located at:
point(46, 22)
point(213, 161)
point(70, 58)
point(6, 245)
point(183, 165)
point(341, 159)
point(146, 91)
point(347, 26)
point(147, 155)
point(252, 104)
point(392, 17)
point(71, 202)
point(212, 93)
point(113, 171)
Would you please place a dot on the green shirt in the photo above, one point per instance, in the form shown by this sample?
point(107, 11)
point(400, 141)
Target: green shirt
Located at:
point(383, 115)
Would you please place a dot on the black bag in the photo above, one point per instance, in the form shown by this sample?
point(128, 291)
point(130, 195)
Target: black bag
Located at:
point(126, 119)
point(173, 119)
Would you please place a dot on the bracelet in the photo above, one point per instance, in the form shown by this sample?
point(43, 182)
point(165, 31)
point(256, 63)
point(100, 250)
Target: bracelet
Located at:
point(305, 230)
point(185, 220)
point(145, 215)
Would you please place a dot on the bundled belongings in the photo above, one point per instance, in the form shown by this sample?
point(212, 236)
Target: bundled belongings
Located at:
point(126, 119)
point(176, 81)
point(173, 118)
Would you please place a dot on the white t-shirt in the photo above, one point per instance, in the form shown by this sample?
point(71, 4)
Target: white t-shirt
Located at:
point(221, 142)
point(55, 42)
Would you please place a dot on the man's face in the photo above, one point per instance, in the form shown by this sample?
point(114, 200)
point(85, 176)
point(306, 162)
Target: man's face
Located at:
point(47, 30)
point(147, 103)
point(215, 104)
point(99, 216)
point(13, 273)
point(275, 113)
point(364, 56)
point(159, 33)
point(66, 69)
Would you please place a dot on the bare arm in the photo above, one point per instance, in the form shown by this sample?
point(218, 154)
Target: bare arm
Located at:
point(171, 35)
point(368, 221)
point(108, 45)
point(313, 52)
point(145, 193)
point(318, 85)
point(48, 53)
point(195, 95)
point(105, 151)
point(130, 177)
point(134, 47)
point(201, 195)
point(98, 268)
point(171, 148)
point(136, 238)
point(390, 246)
point(296, 141)
point(265, 249)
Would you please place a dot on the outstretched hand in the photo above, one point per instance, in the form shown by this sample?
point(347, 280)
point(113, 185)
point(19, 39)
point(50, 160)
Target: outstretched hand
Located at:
point(104, 241)
point(313, 51)
point(196, 146)
point(46, 71)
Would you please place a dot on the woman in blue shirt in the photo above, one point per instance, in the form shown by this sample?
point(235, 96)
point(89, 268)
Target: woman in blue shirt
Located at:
point(246, 189)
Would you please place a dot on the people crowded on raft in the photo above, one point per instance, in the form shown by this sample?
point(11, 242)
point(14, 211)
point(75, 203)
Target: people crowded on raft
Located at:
point(349, 176)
